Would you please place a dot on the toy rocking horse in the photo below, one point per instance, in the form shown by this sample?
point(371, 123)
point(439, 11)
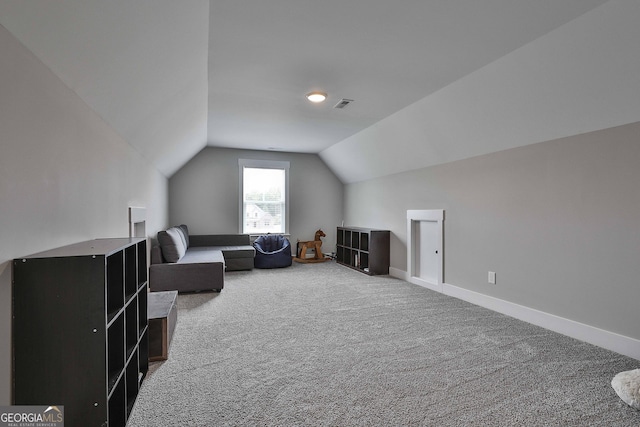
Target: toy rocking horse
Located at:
point(316, 244)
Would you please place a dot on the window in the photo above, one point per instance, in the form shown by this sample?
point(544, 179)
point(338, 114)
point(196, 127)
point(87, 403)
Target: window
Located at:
point(264, 198)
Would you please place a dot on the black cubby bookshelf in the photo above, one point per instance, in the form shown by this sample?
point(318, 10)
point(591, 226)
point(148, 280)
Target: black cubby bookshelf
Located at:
point(364, 249)
point(84, 307)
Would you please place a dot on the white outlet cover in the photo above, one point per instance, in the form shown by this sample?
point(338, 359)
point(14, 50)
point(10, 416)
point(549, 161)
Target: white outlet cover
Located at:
point(492, 277)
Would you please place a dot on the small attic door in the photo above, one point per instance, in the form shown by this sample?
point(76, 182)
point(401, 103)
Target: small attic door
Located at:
point(425, 248)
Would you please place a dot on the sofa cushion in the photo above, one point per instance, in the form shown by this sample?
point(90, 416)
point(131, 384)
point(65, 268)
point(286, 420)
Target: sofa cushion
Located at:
point(230, 252)
point(180, 231)
point(185, 233)
point(201, 255)
point(172, 244)
point(220, 240)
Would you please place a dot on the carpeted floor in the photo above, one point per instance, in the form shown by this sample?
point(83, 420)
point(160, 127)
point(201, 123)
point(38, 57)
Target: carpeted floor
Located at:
point(323, 345)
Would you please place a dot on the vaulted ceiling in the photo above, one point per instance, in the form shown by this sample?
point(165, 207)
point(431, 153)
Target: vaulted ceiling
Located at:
point(431, 80)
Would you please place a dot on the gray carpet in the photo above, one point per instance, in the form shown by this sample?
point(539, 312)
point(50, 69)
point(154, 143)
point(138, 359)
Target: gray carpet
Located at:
point(323, 345)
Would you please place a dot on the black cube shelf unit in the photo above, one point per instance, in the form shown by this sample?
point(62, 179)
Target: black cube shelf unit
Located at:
point(80, 334)
point(364, 249)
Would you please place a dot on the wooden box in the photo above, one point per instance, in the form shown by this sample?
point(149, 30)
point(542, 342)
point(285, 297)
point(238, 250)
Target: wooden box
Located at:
point(163, 315)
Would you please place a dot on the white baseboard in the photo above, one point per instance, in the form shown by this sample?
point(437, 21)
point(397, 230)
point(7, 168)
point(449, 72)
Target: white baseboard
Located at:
point(398, 274)
point(403, 275)
point(609, 340)
point(583, 332)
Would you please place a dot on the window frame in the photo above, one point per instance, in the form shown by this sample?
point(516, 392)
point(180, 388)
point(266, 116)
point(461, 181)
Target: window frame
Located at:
point(262, 164)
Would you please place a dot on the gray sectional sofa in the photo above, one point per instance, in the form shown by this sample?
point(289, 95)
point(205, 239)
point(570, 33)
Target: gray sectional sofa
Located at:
point(189, 263)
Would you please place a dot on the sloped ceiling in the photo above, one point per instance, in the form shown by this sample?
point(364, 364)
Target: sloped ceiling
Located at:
point(432, 81)
point(582, 77)
point(141, 65)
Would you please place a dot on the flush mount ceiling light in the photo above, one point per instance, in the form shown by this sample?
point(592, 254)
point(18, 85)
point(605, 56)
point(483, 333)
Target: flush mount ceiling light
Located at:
point(316, 96)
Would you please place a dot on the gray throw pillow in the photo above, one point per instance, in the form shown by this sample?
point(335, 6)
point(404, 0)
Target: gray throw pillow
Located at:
point(181, 235)
point(172, 245)
point(185, 232)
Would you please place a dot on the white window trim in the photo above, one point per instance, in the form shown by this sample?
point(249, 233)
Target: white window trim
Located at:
point(264, 164)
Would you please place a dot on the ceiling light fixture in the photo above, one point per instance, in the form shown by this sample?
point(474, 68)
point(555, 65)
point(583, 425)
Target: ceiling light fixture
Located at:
point(316, 96)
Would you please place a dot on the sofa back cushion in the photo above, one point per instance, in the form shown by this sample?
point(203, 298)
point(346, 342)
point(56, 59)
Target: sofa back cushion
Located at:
point(185, 234)
point(220, 240)
point(172, 244)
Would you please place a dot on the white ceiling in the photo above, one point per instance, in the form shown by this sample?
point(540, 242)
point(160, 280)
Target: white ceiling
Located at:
point(172, 77)
point(264, 56)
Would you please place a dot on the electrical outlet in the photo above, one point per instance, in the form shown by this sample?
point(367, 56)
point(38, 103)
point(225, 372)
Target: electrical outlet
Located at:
point(492, 277)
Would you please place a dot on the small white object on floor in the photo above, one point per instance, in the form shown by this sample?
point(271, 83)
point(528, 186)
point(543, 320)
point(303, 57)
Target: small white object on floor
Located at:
point(627, 386)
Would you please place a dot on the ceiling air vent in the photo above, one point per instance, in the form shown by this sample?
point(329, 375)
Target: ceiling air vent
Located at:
point(343, 103)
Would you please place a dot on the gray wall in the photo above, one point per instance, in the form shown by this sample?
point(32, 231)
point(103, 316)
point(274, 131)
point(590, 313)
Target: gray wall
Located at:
point(204, 194)
point(558, 221)
point(65, 176)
